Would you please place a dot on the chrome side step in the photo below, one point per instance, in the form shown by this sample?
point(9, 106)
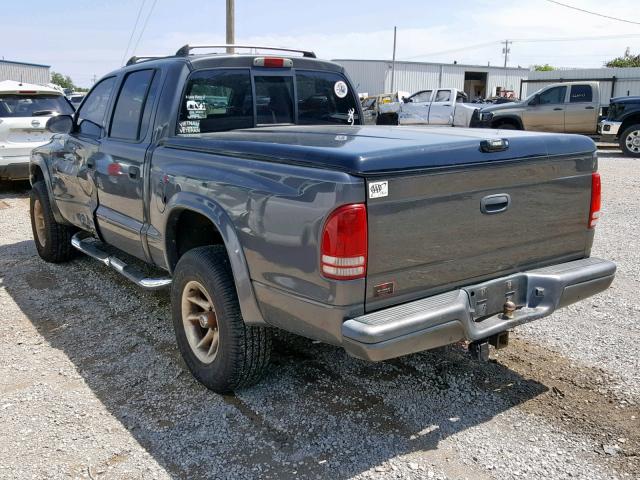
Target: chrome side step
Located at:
point(79, 241)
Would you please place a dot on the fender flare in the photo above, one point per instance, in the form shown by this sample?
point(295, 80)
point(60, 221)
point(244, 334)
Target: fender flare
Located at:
point(210, 209)
point(38, 160)
point(515, 118)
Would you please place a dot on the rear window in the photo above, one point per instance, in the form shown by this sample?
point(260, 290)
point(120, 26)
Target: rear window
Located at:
point(34, 105)
point(325, 98)
point(274, 99)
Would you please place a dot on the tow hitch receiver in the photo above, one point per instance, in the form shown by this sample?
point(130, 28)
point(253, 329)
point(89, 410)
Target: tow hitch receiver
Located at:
point(480, 348)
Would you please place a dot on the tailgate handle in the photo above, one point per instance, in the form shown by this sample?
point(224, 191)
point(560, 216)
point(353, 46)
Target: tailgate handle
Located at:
point(495, 203)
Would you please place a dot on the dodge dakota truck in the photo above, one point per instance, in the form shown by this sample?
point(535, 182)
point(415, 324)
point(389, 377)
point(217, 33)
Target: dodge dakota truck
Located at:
point(250, 185)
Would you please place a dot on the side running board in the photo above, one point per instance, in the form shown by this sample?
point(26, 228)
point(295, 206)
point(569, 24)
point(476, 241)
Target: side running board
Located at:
point(80, 242)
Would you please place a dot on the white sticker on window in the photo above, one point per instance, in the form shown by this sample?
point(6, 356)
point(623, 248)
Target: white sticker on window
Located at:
point(196, 107)
point(340, 89)
point(378, 189)
point(189, 126)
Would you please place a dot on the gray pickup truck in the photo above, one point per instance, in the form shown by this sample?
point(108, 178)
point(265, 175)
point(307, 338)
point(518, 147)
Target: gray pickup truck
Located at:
point(249, 183)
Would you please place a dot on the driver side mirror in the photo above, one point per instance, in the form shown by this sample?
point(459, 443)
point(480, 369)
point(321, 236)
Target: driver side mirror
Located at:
point(60, 124)
point(535, 100)
point(406, 100)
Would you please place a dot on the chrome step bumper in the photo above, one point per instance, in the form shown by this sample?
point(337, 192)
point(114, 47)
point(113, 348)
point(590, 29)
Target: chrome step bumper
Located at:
point(472, 313)
point(80, 242)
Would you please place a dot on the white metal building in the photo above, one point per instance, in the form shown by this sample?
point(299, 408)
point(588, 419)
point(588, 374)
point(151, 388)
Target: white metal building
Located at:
point(614, 82)
point(24, 72)
point(374, 77)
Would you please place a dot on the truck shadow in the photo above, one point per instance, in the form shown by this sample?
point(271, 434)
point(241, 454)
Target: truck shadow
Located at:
point(318, 414)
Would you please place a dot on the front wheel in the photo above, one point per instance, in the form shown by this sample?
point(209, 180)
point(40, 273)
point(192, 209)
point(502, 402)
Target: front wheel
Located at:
point(221, 351)
point(630, 141)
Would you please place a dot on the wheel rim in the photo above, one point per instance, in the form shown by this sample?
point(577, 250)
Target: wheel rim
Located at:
point(633, 141)
point(38, 219)
point(200, 322)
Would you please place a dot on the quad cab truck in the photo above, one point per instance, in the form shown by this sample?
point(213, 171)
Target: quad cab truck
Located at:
point(251, 185)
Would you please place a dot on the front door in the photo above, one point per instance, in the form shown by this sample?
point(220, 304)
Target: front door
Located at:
point(442, 107)
point(547, 114)
point(74, 160)
point(120, 168)
point(416, 110)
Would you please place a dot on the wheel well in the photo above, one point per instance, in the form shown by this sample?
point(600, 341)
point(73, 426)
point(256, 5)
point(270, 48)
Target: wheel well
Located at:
point(187, 230)
point(36, 174)
point(630, 120)
point(509, 121)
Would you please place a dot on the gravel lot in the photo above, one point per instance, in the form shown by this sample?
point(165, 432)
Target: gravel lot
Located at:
point(92, 385)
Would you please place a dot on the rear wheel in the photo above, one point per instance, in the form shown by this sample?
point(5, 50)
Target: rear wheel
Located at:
point(630, 141)
point(221, 351)
point(52, 239)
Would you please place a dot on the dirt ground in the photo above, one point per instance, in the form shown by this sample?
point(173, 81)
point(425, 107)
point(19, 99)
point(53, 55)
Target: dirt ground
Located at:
point(92, 385)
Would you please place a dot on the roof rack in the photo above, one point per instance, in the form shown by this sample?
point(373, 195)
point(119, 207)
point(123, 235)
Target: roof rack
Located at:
point(142, 58)
point(186, 49)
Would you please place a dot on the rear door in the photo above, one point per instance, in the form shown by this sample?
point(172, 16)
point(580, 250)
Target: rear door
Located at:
point(442, 107)
point(581, 111)
point(120, 170)
point(416, 110)
point(548, 114)
point(73, 165)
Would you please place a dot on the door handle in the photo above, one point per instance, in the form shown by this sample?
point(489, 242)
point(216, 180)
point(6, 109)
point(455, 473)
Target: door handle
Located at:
point(557, 109)
point(91, 163)
point(495, 203)
point(134, 172)
point(589, 108)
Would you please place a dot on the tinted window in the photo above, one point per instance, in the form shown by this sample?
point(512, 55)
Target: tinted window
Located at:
point(129, 106)
point(216, 100)
point(421, 97)
point(443, 96)
point(580, 93)
point(33, 105)
point(324, 98)
point(91, 114)
point(274, 99)
point(553, 95)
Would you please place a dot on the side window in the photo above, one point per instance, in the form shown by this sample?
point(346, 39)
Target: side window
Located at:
point(553, 96)
point(274, 99)
point(91, 116)
point(580, 93)
point(421, 97)
point(127, 114)
point(443, 96)
point(215, 101)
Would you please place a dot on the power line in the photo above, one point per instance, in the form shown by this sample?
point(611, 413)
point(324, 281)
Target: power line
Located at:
point(593, 13)
point(135, 25)
point(144, 26)
point(454, 50)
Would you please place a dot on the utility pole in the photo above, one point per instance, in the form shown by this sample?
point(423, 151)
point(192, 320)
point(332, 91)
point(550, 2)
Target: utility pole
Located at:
point(231, 20)
point(393, 61)
point(94, 78)
point(506, 50)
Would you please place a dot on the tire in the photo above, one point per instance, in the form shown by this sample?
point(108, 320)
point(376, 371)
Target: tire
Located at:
point(52, 239)
point(630, 141)
point(506, 126)
point(205, 312)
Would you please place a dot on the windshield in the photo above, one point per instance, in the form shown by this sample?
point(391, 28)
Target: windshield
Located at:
point(33, 105)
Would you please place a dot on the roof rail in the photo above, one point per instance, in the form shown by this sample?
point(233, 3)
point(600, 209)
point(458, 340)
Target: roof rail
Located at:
point(186, 49)
point(142, 58)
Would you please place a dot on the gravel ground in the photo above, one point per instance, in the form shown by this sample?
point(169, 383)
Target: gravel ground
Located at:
point(92, 385)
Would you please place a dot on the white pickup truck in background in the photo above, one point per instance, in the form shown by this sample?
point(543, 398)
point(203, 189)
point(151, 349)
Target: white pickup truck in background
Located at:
point(442, 106)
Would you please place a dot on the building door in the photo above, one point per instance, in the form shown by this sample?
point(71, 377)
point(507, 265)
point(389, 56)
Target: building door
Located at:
point(475, 85)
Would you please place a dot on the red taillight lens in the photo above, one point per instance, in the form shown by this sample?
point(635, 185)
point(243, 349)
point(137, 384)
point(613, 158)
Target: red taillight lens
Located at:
point(596, 199)
point(344, 243)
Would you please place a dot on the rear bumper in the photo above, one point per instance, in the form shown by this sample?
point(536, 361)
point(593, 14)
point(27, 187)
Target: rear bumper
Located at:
point(461, 314)
point(14, 168)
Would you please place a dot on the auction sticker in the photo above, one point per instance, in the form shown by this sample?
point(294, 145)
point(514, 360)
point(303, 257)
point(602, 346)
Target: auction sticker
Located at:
point(378, 189)
point(340, 89)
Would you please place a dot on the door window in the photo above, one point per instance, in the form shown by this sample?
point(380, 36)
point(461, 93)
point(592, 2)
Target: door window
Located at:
point(421, 97)
point(127, 114)
point(580, 93)
point(91, 116)
point(274, 99)
point(321, 101)
point(553, 95)
point(443, 96)
point(215, 101)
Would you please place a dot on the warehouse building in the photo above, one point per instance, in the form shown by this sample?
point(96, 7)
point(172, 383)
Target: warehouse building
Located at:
point(24, 72)
point(375, 77)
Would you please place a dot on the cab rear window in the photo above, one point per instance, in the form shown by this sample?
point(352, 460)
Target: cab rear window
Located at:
point(228, 99)
point(13, 105)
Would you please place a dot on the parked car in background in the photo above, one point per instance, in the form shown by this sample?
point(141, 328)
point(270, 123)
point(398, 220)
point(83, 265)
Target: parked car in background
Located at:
point(277, 208)
point(441, 106)
point(622, 124)
point(76, 99)
point(24, 111)
point(572, 107)
point(371, 105)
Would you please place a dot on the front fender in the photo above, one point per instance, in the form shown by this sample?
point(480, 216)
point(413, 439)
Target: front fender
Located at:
point(217, 215)
point(38, 161)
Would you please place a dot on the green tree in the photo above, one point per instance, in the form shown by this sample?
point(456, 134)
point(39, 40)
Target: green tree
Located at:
point(544, 68)
point(627, 60)
point(62, 80)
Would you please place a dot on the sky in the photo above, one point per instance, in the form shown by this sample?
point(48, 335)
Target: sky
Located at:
point(89, 38)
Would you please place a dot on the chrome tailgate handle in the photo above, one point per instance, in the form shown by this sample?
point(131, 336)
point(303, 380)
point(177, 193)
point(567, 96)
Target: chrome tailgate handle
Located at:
point(495, 203)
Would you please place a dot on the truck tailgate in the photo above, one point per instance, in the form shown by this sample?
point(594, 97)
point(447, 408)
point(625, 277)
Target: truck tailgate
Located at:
point(430, 233)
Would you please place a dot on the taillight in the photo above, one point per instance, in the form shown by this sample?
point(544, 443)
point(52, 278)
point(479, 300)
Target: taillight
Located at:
point(344, 243)
point(596, 198)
